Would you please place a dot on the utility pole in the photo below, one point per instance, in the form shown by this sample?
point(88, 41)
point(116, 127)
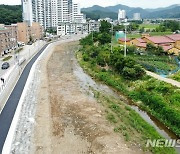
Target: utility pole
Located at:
point(125, 39)
point(112, 38)
point(125, 42)
point(92, 35)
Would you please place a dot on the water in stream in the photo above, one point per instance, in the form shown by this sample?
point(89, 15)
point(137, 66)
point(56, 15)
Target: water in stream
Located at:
point(86, 82)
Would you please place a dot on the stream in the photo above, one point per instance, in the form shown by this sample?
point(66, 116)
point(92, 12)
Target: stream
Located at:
point(86, 82)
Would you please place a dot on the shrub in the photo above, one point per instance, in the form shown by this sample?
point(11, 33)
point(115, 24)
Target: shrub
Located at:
point(101, 61)
point(85, 57)
point(129, 73)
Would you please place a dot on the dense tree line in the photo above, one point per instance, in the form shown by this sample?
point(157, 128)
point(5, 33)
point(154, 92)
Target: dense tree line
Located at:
point(10, 14)
point(168, 25)
point(103, 56)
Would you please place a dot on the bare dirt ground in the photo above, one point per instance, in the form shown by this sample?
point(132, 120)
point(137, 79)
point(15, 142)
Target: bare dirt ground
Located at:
point(68, 121)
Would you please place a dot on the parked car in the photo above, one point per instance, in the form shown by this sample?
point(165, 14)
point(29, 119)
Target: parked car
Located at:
point(29, 43)
point(5, 65)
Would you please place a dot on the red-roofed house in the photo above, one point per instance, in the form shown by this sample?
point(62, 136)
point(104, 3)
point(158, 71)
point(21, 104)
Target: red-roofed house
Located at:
point(141, 46)
point(159, 40)
point(176, 38)
point(167, 47)
point(137, 41)
point(122, 41)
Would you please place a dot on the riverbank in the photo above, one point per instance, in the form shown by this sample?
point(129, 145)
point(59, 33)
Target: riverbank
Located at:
point(68, 120)
point(115, 81)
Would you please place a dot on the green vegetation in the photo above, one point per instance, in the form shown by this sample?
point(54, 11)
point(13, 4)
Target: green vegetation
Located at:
point(152, 63)
point(149, 26)
point(160, 99)
point(97, 14)
point(127, 76)
point(10, 14)
point(135, 35)
point(176, 76)
point(7, 58)
point(154, 50)
point(160, 33)
point(168, 26)
point(129, 124)
point(18, 50)
point(51, 31)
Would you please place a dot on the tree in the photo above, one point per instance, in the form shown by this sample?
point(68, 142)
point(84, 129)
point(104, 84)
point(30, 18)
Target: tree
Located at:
point(118, 28)
point(86, 41)
point(131, 49)
point(142, 30)
point(10, 14)
point(105, 27)
point(104, 38)
point(129, 73)
point(132, 27)
point(150, 47)
point(159, 51)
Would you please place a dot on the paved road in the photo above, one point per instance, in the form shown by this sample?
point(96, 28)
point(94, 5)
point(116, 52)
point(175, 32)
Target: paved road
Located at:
point(167, 80)
point(9, 110)
point(26, 53)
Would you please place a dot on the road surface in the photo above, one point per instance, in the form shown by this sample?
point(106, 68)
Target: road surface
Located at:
point(10, 107)
point(167, 80)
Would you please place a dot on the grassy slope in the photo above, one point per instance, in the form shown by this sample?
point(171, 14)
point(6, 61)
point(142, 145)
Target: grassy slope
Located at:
point(176, 76)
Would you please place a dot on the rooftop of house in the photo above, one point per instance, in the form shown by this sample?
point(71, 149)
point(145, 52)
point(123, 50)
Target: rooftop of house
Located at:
point(160, 39)
point(141, 40)
point(142, 45)
point(123, 39)
point(175, 37)
point(167, 47)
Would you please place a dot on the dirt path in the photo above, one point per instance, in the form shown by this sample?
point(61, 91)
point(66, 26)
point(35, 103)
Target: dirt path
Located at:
point(68, 121)
point(171, 81)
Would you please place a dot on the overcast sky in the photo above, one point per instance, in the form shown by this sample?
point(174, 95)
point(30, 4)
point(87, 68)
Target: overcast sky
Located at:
point(134, 3)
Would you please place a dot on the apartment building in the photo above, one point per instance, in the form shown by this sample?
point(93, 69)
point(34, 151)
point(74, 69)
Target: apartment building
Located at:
point(121, 15)
point(11, 35)
point(23, 32)
point(8, 38)
point(36, 31)
point(27, 11)
point(136, 16)
point(55, 14)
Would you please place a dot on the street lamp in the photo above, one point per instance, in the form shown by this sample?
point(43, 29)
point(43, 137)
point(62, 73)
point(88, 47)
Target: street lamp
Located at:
point(112, 38)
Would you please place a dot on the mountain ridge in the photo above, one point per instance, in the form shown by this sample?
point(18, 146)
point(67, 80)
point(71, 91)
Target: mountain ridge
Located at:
point(172, 11)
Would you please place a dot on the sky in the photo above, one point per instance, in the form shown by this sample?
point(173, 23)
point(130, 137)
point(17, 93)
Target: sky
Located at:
point(132, 3)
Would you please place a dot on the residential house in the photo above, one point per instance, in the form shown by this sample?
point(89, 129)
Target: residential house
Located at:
point(159, 40)
point(122, 41)
point(176, 38)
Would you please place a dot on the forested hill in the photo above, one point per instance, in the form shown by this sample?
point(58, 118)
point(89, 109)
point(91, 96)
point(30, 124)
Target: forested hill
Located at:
point(96, 12)
point(10, 14)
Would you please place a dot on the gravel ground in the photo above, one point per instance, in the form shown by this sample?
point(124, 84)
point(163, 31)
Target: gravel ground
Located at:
point(68, 120)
